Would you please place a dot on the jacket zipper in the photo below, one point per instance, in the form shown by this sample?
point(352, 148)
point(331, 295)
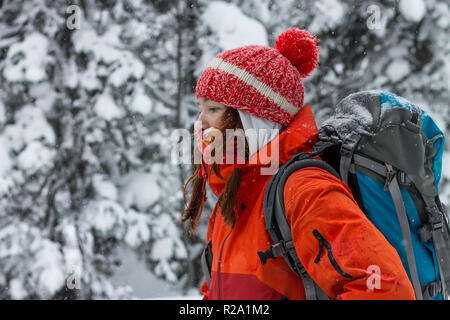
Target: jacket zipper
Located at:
point(220, 264)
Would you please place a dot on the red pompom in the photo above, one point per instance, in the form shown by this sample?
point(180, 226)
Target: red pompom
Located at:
point(299, 46)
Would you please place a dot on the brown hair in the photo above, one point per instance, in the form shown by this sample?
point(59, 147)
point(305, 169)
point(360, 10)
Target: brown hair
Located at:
point(227, 199)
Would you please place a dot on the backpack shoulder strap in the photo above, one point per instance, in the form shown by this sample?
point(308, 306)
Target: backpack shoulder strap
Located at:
point(279, 228)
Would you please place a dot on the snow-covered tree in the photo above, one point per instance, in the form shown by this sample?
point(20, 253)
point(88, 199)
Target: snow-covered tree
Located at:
point(86, 117)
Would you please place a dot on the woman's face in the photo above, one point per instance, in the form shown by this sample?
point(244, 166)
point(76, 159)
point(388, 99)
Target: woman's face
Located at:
point(211, 113)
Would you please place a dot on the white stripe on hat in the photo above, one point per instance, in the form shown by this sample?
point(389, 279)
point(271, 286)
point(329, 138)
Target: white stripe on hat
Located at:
point(249, 79)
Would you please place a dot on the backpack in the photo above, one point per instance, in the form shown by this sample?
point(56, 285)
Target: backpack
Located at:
point(389, 152)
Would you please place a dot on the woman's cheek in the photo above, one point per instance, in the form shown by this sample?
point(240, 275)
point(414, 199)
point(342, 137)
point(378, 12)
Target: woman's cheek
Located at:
point(218, 119)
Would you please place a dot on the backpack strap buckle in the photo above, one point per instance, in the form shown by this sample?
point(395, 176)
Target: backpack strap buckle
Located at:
point(346, 150)
point(436, 219)
point(404, 180)
point(301, 269)
point(275, 250)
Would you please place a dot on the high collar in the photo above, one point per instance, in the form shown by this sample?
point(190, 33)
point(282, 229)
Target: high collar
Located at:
point(299, 136)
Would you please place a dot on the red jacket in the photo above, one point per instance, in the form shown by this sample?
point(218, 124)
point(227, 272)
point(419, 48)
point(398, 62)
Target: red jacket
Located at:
point(314, 200)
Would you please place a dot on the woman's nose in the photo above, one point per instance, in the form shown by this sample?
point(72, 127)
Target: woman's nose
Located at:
point(204, 122)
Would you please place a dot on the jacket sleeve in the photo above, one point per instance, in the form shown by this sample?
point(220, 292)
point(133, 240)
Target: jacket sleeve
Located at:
point(342, 251)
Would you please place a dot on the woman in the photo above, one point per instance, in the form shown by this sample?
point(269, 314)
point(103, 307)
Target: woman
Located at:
point(260, 87)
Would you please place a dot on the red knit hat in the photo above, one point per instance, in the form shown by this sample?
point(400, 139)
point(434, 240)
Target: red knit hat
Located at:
point(263, 81)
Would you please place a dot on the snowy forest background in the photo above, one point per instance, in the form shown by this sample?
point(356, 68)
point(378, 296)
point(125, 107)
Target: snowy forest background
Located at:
point(89, 197)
